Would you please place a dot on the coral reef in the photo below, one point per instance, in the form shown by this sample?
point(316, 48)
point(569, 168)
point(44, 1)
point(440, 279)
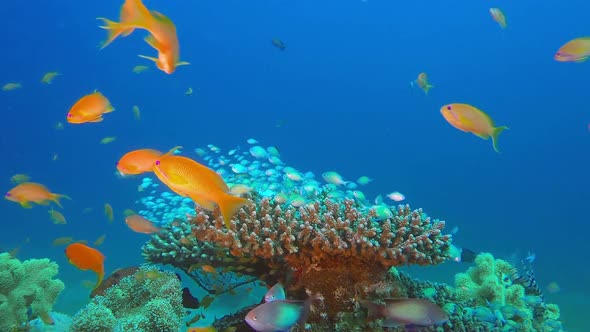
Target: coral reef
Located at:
point(328, 247)
point(27, 290)
point(147, 301)
point(498, 295)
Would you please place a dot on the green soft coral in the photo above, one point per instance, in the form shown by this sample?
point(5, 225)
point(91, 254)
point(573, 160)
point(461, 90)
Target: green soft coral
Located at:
point(147, 301)
point(25, 285)
point(489, 281)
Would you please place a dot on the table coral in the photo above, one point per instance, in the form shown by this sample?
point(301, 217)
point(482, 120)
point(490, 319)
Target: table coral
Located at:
point(26, 285)
point(148, 301)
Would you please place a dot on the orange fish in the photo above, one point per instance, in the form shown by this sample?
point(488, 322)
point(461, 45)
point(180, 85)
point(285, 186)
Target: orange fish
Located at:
point(499, 17)
point(422, 81)
point(89, 108)
point(203, 185)
point(576, 50)
point(163, 35)
point(141, 225)
point(138, 161)
point(131, 10)
point(86, 258)
point(470, 119)
point(30, 192)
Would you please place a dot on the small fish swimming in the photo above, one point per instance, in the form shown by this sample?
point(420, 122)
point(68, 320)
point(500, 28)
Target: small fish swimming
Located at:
point(279, 315)
point(20, 178)
point(57, 217)
point(470, 119)
point(396, 196)
point(49, 77)
point(108, 212)
point(107, 140)
point(204, 186)
point(140, 224)
point(499, 17)
point(138, 161)
point(89, 108)
point(11, 86)
point(30, 192)
point(278, 44)
point(406, 311)
point(136, 112)
point(576, 50)
point(422, 82)
point(139, 69)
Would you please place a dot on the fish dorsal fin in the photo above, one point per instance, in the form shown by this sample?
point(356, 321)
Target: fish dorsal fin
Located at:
point(395, 300)
point(161, 17)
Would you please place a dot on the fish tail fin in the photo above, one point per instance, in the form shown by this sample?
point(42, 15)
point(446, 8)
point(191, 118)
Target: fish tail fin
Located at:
point(100, 277)
point(229, 205)
point(114, 30)
point(307, 308)
point(56, 197)
point(497, 131)
point(373, 310)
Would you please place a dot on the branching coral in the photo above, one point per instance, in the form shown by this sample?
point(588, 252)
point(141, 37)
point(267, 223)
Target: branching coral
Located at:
point(317, 247)
point(26, 285)
point(148, 301)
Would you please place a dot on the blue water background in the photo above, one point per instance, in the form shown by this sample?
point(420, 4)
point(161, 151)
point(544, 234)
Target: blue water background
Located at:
point(341, 92)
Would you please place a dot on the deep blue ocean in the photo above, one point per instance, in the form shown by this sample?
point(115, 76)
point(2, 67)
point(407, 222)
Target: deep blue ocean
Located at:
point(337, 98)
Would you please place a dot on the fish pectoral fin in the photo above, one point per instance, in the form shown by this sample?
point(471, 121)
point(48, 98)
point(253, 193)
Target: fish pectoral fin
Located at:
point(26, 205)
point(99, 119)
point(152, 42)
point(203, 202)
point(177, 179)
point(182, 63)
point(582, 59)
point(148, 57)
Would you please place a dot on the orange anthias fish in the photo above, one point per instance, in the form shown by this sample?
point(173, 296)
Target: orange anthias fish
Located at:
point(86, 258)
point(163, 34)
point(203, 185)
point(30, 192)
point(577, 50)
point(89, 108)
point(131, 10)
point(138, 161)
point(422, 81)
point(499, 17)
point(141, 225)
point(470, 119)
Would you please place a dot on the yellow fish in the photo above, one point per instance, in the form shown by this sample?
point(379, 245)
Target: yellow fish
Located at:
point(57, 217)
point(576, 50)
point(11, 86)
point(108, 211)
point(49, 77)
point(472, 120)
point(100, 240)
point(136, 112)
point(107, 140)
point(499, 17)
point(62, 241)
point(20, 178)
point(140, 69)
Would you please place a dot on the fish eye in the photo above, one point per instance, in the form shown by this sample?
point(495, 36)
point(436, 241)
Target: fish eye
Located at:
point(70, 115)
point(449, 107)
point(157, 163)
point(254, 318)
point(7, 194)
